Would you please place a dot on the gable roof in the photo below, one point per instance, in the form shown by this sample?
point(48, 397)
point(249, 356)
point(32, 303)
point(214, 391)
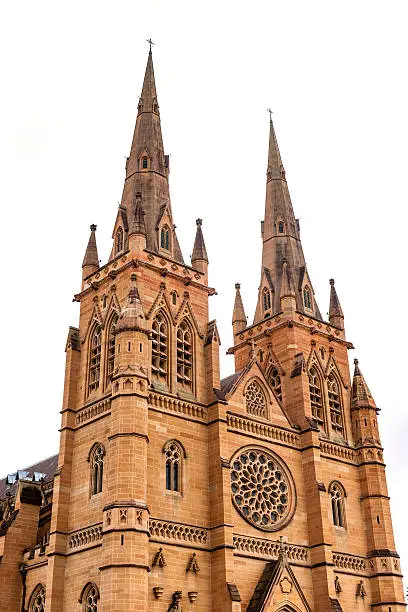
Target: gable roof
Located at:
point(46, 466)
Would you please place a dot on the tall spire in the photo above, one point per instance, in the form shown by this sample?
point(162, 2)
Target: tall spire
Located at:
point(147, 170)
point(239, 320)
point(281, 241)
point(90, 263)
point(336, 316)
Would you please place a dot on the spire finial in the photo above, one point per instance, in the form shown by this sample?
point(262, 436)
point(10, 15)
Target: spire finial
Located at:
point(92, 227)
point(151, 43)
point(199, 222)
point(270, 111)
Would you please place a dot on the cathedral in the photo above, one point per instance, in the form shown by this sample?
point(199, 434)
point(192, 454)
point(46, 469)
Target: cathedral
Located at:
point(176, 490)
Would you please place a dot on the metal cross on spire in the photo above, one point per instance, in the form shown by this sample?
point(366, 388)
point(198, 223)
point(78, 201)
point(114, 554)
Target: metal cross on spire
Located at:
point(151, 43)
point(270, 111)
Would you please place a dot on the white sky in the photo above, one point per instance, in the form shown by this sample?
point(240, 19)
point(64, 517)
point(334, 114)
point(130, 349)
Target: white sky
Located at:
point(335, 77)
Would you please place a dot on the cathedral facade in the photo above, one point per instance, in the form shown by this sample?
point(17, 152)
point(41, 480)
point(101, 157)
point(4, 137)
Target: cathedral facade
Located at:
point(174, 489)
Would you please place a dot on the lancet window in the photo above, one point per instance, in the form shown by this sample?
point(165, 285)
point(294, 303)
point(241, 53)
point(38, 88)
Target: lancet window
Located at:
point(255, 400)
point(145, 163)
point(281, 227)
point(165, 238)
point(174, 453)
point(307, 297)
point(274, 380)
point(90, 598)
point(337, 495)
point(266, 294)
point(336, 417)
point(119, 240)
point(185, 355)
point(37, 599)
point(97, 458)
point(160, 348)
point(316, 396)
point(95, 359)
point(111, 349)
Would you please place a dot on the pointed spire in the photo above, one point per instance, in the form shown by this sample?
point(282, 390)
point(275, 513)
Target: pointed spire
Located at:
point(91, 260)
point(132, 317)
point(239, 320)
point(199, 256)
point(281, 241)
point(361, 395)
point(336, 316)
point(148, 97)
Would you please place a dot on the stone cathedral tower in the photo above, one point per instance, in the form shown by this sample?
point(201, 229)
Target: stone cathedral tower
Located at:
point(173, 489)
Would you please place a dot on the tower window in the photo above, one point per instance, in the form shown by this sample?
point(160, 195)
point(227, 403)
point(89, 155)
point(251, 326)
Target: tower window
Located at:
point(173, 452)
point(145, 163)
point(185, 356)
point(335, 404)
point(255, 400)
point(337, 495)
point(266, 296)
point(307, 297)
point(119, 240)
point(159, 348)
point(274, 380)
point(316, 398)
point(97, 458)
point(37, 599)
point(281, 227)
point(111, 349)
point(95, 359)
point(90, 598)
point(165, 238)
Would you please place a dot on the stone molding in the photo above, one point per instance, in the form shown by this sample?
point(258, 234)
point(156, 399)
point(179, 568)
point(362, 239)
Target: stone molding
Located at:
point(262, 430)
point(270, 549)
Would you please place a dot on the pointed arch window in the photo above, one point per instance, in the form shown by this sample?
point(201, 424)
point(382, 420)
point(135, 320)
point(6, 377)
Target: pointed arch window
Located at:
point(89, 598)
point(281, 227)
point(337, 495)
point(307, 297)
point(160, 348)
point(97, 458)
point(174, 453)
point(336, 417)
point(95, 359)
point(37, 599)
point(165, 237)
point(185, 355)
point(110, 362)
point(145, 162)
point(316, 396)
point(119, 240)
point(255, 400)
point(274, 380)
point(266, 297)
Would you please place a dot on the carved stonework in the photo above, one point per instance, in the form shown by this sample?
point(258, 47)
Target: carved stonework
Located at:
point(285, 585)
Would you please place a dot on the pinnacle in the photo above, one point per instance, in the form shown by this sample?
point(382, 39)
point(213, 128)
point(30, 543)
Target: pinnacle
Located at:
point(91, 253)
point(238, 315)
point(361, 395)
point(199, 250)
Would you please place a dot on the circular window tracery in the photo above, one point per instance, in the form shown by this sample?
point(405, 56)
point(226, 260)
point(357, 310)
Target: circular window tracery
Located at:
point(262, 488)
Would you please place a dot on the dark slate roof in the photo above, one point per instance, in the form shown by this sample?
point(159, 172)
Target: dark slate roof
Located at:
point(4, 525)
point(227, 384)
point(261, 590)
point(47, 467)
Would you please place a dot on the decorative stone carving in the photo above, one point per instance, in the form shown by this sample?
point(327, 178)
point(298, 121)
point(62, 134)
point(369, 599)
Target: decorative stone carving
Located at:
point(158, 591)
point(360, 591)
point(337, 585)
point(159, 559)
point(285, 585)
point(192, 565)
point(262, 488)
point(192, 595)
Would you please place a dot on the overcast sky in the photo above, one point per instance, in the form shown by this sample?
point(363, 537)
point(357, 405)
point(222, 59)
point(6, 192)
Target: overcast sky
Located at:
point(335, 76)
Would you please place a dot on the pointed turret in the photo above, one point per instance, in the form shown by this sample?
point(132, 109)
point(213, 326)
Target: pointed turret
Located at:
point(132, 317)
point(239, 320)
point(287, 293)
point(199, 259)
point(91, 260)
point(361, 395)
point(336, 316)
point(137, 229)
point(147, 170)
point(281, 242)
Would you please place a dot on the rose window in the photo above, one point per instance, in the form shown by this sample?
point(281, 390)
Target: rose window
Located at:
point(262, 489)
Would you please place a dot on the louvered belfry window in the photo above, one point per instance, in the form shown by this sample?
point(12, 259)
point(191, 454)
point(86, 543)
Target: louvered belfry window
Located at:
point(335, 403)
point(95, 359)
point(111, 349)
point(316, 398)
point(184, 356)
point(160, 348)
